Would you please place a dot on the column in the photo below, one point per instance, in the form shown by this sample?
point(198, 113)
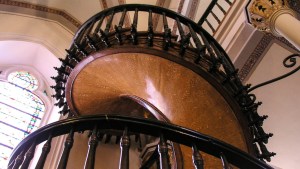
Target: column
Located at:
point(274, 16)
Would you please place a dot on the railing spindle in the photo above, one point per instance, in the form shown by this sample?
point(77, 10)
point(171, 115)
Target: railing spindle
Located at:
point(80, 49)
point(90, 159)
point(45, 151)
point(18, 160)
point(201, 48)
point(167, 33)
point(207, 11)
point(184, 39)
point(118, 28)
point(216, 17)
point(210, 26)
point(98, 27)
point(150, 29)
point(134, 27)
point(109, 22)
point(221, 8)
point(197, 158)
point(225, 163)
point(230, 3)
point(28, 156)
point(91, 43)
point(124, 145)
point(212, 57)
point(65, 155)
point(163, 154)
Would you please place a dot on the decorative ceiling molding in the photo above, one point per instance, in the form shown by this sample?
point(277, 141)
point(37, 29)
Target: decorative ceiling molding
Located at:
point(258, 52)
point(179, 10)
point(255, 56)
point(65, 15)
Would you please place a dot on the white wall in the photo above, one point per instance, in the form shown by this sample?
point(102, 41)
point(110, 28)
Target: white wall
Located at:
point(281, 102)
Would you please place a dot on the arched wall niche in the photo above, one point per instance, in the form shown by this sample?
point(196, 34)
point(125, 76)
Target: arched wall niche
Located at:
point(49, 33)
point(36, 59)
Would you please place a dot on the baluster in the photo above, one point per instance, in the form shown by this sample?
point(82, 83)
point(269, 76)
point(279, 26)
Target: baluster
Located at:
point(225, 163)
point(71, 55)
point(80, 49)
point(45, 150)
point(18, 161)
point(184, 39)
point(98, 27)
point(28, 156)
point(163, 154)
point(91, 43)
point(230, 3)
point(107, 138)
point(65, 155)
point(221, 8)
point(60, 78)
point(215, 63)
point(87, 32)
point(167, 33)
point(118, 28)
point(109, 22)
point(124, 145)
point(210, 26)
point(201, 48)
point(134, 27)
point(65, 110)
point(80, 35)
point(93, 143)
point(265, 154)
point(225, 63)
point(60, 103)
point(215, 16)
point(197, 158)
point(150, 29)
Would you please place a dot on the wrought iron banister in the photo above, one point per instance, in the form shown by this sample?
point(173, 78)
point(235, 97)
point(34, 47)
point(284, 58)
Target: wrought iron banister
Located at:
point(195, 49)
point(181, 135)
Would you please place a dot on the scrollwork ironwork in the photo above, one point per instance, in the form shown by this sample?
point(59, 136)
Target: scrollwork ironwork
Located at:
point(288, 62)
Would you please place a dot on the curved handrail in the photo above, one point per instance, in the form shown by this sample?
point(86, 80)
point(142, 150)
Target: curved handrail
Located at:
point(170, 132)
point(203, 50)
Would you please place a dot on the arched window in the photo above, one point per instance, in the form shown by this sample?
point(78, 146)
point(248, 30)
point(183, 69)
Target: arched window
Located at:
point(21, 111)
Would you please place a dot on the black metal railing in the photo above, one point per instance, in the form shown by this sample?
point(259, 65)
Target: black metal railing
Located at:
point(197, 47)
point(229, 155)
point(215, 14)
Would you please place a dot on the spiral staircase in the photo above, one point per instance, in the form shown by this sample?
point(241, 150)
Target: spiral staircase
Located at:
point(177, 95)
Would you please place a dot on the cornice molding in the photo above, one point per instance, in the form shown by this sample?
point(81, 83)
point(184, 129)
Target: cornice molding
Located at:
point(258, 52)
point(62, 13)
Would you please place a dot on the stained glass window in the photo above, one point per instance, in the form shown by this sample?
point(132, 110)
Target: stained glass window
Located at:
point(21, 111)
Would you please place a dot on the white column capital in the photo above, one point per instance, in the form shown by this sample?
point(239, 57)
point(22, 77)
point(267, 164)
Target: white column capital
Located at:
point(263, 14)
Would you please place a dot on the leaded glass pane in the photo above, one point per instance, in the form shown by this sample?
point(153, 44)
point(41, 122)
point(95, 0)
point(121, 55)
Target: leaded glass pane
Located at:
point(21, 112)
point(23, 79)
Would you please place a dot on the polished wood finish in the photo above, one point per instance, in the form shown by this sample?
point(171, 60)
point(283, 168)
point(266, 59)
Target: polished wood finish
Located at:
point(45, 151)
point(93, 143)
point(98, 82)
point(65, 155)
